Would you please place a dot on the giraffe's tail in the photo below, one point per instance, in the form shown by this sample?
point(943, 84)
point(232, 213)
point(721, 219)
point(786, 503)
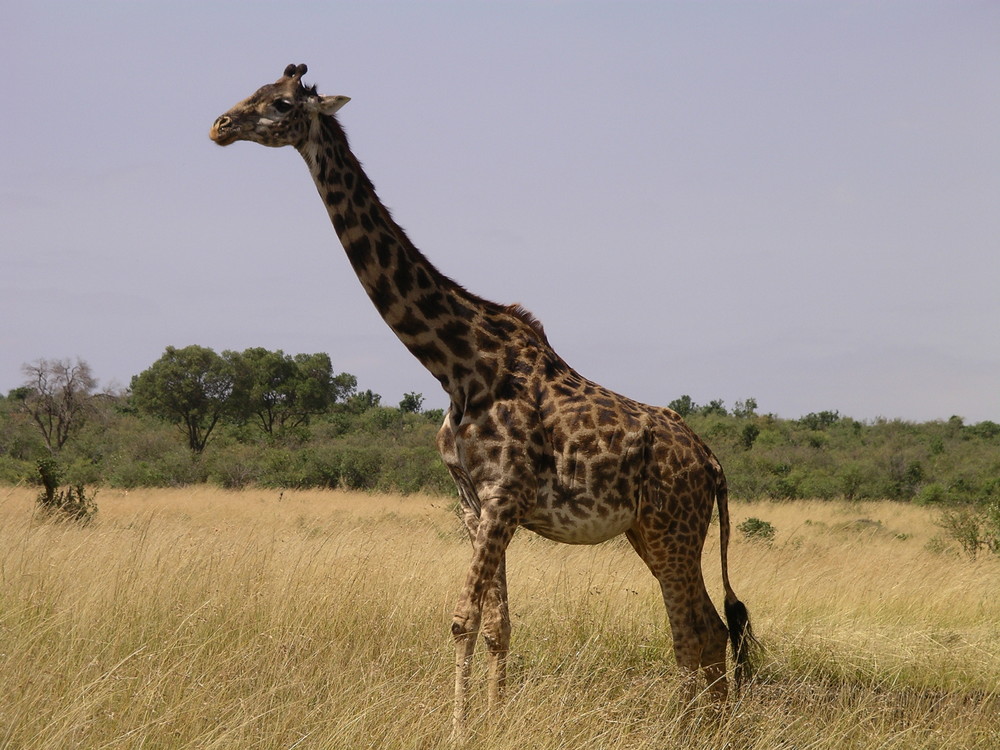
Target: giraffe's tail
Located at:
point(737, 618)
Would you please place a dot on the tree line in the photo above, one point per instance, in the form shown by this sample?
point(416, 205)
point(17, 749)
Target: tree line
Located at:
point(266, 418)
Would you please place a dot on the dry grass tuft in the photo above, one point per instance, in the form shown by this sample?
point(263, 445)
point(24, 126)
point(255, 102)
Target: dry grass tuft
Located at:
point(208, 619)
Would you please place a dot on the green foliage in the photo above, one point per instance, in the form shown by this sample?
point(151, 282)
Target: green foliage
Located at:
point(434, 415)
point(189, 387)
point(279, 392)
point(69, 504)
point(360, 467)
point(932, 493)
point(362, 401)
point(820, 421)
point(745, 409)
point(683, 405)
point(715, 406)
point(826, 455)
point(985, 430)
point(756, 530)
point(412, 402)
point(749, 435)
point(975, 529)
point(380, 449)
point(310, 428)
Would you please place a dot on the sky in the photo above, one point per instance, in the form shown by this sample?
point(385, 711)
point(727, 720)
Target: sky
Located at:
point(797, 202)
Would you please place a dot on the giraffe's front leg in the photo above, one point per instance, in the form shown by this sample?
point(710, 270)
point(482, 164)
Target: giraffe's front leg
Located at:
point(489, 545)
point(465, 643)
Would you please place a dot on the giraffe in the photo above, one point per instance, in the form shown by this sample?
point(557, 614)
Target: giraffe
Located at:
point(528, 441)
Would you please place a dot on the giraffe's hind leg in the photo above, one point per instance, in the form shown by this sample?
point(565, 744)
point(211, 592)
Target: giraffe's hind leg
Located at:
point(699, 635)
point(714, 640)
point(495, 630)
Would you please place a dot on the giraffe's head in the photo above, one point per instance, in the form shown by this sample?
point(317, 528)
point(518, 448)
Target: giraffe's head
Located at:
point(278, 114)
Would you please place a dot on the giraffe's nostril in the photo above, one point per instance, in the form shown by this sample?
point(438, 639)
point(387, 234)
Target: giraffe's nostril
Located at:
point(219, 127)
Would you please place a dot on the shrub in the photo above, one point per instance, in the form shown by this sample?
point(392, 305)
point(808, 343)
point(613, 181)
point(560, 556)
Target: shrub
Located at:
point(932, 493)
point(302, 467)
point(323, 465)
point(175, 467)
point(71, 504)
point(975, 529)
point(756, 530)
point(749, 435)
point(416, 469)
point(14, 470)
point(786, 487)
point(360, 468)
point(235, 467)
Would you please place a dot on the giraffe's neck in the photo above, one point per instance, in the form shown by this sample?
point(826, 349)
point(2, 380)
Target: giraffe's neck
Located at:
point(433, 316)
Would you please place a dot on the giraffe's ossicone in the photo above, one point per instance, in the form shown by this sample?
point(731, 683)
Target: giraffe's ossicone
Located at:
point(528, 441)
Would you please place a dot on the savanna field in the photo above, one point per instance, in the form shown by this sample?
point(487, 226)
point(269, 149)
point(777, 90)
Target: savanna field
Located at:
point(205, 618)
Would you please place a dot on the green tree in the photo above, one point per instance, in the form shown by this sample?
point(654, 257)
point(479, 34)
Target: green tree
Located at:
point(986, 430)
point(745, 409)
point(345, 385)
point(821, 420)
point(362, 401)
point(189, 387)
point(685, 405)
point(749, 435)
point(263, 386)
point(715, 406)
point(319, 382)
point(412, 403)
point(279, 391)
point(72, 503)
point(58, 397)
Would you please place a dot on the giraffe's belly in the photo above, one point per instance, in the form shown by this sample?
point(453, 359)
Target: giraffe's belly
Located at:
point(579, 520)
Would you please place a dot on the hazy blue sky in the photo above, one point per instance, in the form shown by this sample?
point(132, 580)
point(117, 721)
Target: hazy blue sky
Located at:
point(795, 201)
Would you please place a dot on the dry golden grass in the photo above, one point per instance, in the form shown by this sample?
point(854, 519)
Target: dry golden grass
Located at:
point(199, 618)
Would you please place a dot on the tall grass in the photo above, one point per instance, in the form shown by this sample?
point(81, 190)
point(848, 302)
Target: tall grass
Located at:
point(206, 619)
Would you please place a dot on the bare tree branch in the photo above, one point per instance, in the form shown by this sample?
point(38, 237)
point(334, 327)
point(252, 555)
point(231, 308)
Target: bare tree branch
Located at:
point(59, 397)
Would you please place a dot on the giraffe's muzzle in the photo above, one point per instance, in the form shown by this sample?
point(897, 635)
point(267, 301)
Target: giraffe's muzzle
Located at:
point(222, 131)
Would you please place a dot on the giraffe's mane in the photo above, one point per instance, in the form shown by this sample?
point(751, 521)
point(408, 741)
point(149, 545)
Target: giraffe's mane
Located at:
point(337, 131)
point(526, 316)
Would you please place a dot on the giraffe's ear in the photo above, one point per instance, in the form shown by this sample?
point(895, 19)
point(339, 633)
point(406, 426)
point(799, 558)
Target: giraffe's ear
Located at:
point(330, 104)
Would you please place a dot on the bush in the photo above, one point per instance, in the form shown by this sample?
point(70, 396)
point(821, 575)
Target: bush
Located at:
point(975, 529)
point(174, 468)
point(360, 468)
point(235, 467)
point(301, 467)
point(418, 469)
point(323, 466)
point(756, 530)
point(70, 504)
point(364, 445)
point(14, 470)
point(931, 494)
point(749, 435)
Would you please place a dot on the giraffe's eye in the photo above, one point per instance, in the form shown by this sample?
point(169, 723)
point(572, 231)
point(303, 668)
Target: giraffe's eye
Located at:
point(283, 106)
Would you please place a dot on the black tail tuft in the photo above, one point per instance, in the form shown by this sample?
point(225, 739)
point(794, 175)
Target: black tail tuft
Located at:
point(742, 638)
